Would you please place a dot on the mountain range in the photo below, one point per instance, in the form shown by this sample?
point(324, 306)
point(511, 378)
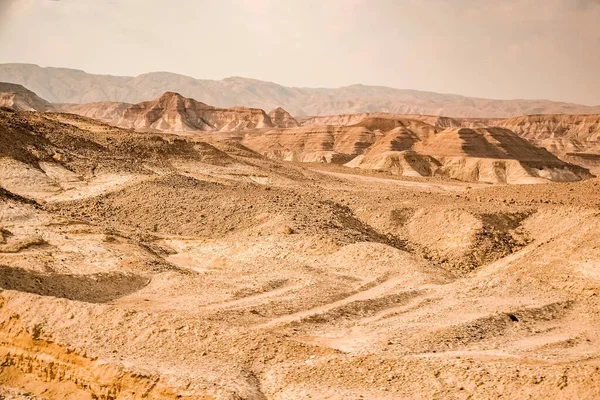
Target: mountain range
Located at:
point(62, 85)
point(496, 150)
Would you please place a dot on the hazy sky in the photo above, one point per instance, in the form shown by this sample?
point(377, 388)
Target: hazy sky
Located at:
point(488, 48)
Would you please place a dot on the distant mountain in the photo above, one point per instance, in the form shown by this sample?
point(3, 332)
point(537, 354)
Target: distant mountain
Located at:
point(61, 85)
point(19, 98)
point(171, 112)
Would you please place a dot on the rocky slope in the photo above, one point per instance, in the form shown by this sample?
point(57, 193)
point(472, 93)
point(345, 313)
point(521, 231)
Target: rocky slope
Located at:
point(282, 119)
point(411, 147)
point(61, 85)
point(19, 98)
point(172, 112)
point(573, 138)
point(541, 127)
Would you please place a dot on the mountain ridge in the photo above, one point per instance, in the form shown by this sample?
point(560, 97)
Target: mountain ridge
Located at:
point(172, 112)
point(63, 85)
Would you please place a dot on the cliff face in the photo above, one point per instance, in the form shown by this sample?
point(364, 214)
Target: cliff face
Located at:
point(58, 368)
point(21, 99)
point(361, 118)
point(311, 144)
point(172, 112)
point(574, 138)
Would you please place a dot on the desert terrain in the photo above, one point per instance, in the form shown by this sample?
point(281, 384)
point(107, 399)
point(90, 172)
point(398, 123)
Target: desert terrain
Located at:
point(174, 249)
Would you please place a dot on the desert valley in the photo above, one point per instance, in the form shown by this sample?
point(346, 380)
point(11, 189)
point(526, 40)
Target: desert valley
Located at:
point(163, 237)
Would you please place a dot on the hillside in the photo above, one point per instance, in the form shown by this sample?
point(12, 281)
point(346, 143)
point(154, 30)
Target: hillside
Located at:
point(19, 98)
point(282, 119)
point(574, 138)
point(414, 148)
point(172, 112)
point(61, 85)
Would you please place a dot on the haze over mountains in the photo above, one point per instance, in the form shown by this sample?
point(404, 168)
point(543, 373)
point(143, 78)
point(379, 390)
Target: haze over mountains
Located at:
point(62, 85)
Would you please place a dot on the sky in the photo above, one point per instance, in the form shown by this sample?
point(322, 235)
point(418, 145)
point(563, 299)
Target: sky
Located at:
point(503, 49)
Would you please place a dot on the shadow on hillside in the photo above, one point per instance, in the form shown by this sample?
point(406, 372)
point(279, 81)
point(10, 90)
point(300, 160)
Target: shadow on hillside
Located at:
point(522, 149)
point(94, 288)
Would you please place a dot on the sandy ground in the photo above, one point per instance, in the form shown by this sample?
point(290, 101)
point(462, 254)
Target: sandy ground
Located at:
point(163, 267)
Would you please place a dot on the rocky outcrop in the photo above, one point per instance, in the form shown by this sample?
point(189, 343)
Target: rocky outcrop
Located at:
point(172, 112)
point(21, 99)
point(366, 118)
point(513, 150)
point(282, 119)
point(103, 111)
point(573, 138)
point(492, 155)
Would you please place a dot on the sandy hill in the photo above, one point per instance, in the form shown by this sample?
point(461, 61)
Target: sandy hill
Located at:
point(61, 85)
point(171, 112)
point(415, 148)
point(581, 127)
point(574, 138)
point(471, 149)
point(19, 98)
point(572, 132)
point(539, 127)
